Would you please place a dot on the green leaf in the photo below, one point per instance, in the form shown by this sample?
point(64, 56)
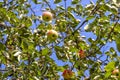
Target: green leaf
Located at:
point(60, 68)
point(45, 51)
point(26, 21)
point(44, 69)
point(114, 9)
point(1, 4)
point(41, 26)
point(58, 48)
point(75, 1)
point(57, 1)
point(90, 17)
point(112, 49)
point(72, 49)
point(31, 46)
point(17, 53)
point(110, 66)
point(105, 7)
point(117, 40)
point(2, 47)
point(107, 74)
point(70, 8)
point(71, 16)
point(35, 1)
point(24, 45)
point(89, 7)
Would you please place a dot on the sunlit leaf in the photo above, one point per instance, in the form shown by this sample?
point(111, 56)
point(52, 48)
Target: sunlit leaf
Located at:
point(45, 51)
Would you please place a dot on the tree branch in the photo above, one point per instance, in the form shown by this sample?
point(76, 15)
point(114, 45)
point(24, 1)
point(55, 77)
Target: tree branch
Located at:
point(109, 34)
point(49, 5)
point(3, 70)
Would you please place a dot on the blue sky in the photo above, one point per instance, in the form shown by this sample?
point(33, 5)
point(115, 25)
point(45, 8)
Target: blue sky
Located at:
point(36, 8)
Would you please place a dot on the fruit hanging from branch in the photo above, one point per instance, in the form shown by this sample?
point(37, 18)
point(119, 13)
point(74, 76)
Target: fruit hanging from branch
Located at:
point(47, 16)
point(68, 74)
point(81, 54)
point(52, 35)
point(115, 71)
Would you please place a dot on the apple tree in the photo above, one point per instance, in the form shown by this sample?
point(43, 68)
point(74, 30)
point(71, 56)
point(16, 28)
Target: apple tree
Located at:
point(59, 39)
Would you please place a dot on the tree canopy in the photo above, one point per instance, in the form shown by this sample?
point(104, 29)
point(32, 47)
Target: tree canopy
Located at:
point(59, 40)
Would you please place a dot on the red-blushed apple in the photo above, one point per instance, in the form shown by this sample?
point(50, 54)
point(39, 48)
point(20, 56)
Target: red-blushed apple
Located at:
point(47, 16)
point(52, 35)
point(115, 71)
point(67, 74)
point(81, 54)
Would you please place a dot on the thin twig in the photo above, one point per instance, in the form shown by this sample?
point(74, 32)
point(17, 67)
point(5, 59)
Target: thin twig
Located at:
point(49, 5)
point(65, 10)
point(3, 70)
point(92, 13)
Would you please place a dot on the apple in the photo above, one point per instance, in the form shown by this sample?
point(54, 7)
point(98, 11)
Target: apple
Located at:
point(52, 35)
point(115, 71)
point(81, 54)
point(67, 74)
point(47, 16)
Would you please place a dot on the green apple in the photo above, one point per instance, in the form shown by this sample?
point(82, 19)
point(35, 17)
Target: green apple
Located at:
point(47, 16)
point(52, 35)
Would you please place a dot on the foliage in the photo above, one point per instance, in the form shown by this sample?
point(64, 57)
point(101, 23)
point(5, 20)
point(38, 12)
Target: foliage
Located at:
point(27, 54)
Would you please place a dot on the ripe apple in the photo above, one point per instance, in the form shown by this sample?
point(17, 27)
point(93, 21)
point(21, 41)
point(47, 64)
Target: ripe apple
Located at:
point(67, 74)
point(81, 54)
point(115, 71)
point(47, 16)
point(52, 35)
